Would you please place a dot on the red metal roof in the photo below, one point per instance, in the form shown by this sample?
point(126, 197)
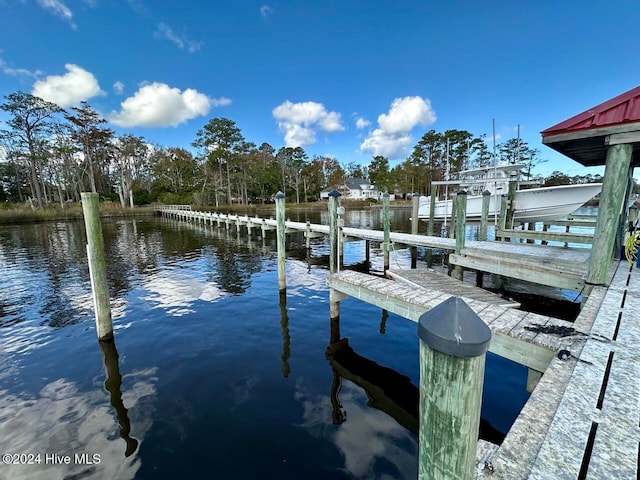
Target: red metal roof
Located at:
point(624, 108)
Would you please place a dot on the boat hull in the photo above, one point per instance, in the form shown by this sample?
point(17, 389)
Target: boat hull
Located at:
point(532, 205)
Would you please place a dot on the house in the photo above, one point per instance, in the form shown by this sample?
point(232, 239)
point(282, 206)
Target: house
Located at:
point(361, 189)
point(356, 189)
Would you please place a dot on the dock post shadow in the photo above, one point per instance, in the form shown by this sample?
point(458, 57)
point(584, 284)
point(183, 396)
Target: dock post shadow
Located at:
point(286, 338)
point(113, 384)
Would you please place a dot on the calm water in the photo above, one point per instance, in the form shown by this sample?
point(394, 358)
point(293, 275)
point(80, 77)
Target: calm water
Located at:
point(211, 376)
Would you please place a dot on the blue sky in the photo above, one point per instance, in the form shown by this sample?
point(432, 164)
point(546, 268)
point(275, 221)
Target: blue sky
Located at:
point(349, 79)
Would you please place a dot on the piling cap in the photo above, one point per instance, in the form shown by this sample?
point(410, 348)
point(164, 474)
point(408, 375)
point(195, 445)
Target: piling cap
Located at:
point(462, 192)
point(454, 329)
point(279, 195)
point(486, 193)
point(335, 193)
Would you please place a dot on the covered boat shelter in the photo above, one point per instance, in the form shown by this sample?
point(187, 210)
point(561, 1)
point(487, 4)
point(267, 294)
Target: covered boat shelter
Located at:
point(607, 134)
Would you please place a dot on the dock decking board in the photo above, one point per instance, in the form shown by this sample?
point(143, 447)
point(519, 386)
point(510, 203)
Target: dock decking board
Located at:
point(549, 438)
point(434, 280)
point(533, 351)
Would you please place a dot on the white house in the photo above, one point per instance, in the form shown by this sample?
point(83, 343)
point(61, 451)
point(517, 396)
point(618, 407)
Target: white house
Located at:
point(356, 189)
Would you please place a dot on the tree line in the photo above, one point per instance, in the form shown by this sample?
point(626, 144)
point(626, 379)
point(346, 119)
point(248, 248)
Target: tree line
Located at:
point(52, 154)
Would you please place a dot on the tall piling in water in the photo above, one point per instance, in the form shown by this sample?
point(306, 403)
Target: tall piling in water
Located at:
point(461, 224)
point(334, 203)
point(386, 223)
point(415, 204)
point(281, 241)
point(97, 265)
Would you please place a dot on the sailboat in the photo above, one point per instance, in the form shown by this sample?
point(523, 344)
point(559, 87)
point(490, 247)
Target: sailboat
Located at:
point(534, 204)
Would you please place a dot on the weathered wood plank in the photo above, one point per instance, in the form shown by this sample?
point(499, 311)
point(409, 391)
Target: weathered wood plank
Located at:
point(408, 302)
point(434, 280)
point(548, 236)
point(548, 442)
point(520, 271)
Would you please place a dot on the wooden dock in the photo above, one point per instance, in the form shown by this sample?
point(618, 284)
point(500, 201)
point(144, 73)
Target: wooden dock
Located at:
point(401, 240)
point(431, 280)
point(511, 338)
point(560, 267)
point(581, 421)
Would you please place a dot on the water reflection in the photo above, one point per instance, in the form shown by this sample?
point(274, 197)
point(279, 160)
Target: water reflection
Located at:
point(64, 419)
point(286, 338)
point(372, 444)
point(113, 384)
point(387, 390)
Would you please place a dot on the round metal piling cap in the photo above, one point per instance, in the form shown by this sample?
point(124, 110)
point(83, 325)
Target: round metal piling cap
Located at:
point(279, 195)
point(462, 192)
point(454, 329)
point(385, 195)
point(335, 193)
point(486, 193)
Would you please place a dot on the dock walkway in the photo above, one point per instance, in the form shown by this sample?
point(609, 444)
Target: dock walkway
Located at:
point(511, 337)
point(559, 267)
point(431, 280)
point(581, 421)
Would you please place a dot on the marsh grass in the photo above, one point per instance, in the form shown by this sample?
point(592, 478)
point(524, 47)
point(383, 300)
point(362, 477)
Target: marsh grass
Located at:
point(21, 213)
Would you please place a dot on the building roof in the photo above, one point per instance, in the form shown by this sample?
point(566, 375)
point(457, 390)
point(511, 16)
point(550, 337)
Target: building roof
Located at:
point(354, 183)
point(584, 137)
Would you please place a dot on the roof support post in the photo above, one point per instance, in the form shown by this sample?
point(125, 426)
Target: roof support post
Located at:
point(609, 210)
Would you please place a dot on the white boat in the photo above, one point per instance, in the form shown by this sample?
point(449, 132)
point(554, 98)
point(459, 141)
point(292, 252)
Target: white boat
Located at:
point(534, 204)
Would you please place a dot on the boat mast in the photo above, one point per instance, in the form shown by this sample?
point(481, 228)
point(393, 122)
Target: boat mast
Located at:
point(495, 175)
point(446, 187)
point(518, 159)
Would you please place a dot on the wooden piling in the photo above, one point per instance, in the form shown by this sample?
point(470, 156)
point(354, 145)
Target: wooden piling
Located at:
point(97, 265)
point(431, 226)
point(334, 304)
point(334, 201)
point(281, 241)
point(609, 210)
point(502, 219)
point(386, 224)
point(484, 216)
point(415, 203)
point(511, 203)
point(531, 227)
point(453, 345)
point(367, 254)
point(461, 223)
point(340, 243)
point(308, 235)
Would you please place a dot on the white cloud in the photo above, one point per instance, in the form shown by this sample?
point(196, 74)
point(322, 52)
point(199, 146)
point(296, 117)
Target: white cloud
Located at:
point(15, 72)
point(158, 105)
point(165, 31)
point(220, 102)
point(69, 89)
point(393, 135)
point(362, 123)
point(299, 122)
point(118, 87)
point(59, 9)
point(266, 11)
